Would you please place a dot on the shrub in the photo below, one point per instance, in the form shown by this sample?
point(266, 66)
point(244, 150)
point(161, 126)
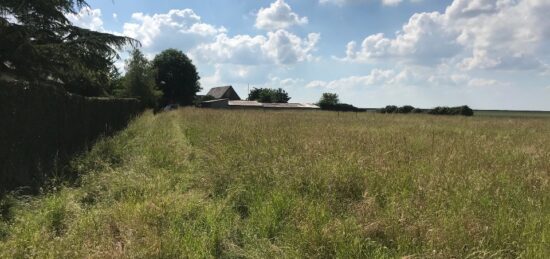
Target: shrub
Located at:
point(466, 111)
point(459, 110)
point(268, 95)
point(405, 109)
point(329, 99)
point(330, 102)
point(341, 107)
point(389, 109)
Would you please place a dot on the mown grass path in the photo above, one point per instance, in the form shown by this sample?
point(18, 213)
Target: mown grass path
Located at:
point(251, 184)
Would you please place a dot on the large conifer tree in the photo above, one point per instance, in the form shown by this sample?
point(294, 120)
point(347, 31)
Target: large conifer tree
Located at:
point(39, 43)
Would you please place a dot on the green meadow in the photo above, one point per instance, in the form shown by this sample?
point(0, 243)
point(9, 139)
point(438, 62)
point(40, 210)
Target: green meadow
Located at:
point(198, 183)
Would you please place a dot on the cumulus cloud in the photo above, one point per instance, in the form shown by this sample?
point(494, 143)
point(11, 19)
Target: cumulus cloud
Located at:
point(406, 77)
point(279, 47)
point(376, 76)
point(476, 34)
point(182, 29)
point(87, 18)
point(236, 74)
point(348, 2)
point(278, 15)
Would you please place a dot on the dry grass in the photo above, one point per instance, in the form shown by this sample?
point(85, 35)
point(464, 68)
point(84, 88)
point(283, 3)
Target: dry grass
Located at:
point(208, 183)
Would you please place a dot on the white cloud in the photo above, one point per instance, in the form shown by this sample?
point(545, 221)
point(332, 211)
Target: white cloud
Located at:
point(391, 2)
point(280, 47)
point(376, 77)
point(236, 75)
point(423, 40)
point(182, 29)
point(407, 77)
point(475, 34)
point(87, 18)
point(481, 82)
point(278, 15)
point(350, 2)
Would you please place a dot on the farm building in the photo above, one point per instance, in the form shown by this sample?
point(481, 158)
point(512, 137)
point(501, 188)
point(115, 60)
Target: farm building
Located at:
point(224, 92)
point(238, 104)
point(227, 98)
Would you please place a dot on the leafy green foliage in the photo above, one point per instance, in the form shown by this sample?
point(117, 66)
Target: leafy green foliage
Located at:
point(329, 99)
point(139, 80)
point(42, 45)
point(177, 77)
point(268, 95)
point(389, 109)
point(331, 102)
point(459, 110)
point(441, 110)
point(405, 109)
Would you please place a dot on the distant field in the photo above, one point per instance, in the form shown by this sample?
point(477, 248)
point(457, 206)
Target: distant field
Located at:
point(496, 113)
point(253, 184)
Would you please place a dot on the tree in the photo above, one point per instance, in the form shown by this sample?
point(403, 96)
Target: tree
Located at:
point(268, 95)
point(405, 109)
point(328, 99)
point(330, 102)
point(177, 77)
point(139, 81)
point(40, 44)
point(280, 96)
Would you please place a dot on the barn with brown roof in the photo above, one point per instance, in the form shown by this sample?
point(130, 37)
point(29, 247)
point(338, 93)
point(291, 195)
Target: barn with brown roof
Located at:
point(224, 92)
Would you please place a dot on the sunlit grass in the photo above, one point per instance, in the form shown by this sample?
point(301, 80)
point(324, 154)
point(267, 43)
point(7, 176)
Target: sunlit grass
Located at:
point(216, 183)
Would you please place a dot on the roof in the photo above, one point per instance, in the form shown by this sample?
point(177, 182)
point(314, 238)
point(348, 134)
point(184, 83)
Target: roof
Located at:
point(215, 101)
point(273, 105)
point(290, 105)
point(218, 92)
point(245, 103)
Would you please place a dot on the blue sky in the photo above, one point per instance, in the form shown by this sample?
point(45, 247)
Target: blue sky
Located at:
point(489, 54)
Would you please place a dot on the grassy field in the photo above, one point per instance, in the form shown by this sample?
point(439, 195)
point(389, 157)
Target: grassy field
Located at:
point(518, 114)
point(253, 184)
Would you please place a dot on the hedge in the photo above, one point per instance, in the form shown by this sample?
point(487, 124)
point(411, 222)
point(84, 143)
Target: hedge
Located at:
point(341, 107)
point(459, 110)
point(440, 110)
point(42, 126)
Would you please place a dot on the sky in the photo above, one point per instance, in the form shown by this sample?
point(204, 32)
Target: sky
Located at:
point(488, 54)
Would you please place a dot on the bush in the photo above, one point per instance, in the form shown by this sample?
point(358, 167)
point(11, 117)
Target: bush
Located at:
point(268, 95)
point(405, 109)
point(440, 110)
point(466, 111)
point(459, 110)
point(389, 109)
point(341, 107)
point(329, 99)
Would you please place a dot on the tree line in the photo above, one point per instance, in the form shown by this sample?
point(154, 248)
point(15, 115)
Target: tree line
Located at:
point(170, 78)
point(440, 110)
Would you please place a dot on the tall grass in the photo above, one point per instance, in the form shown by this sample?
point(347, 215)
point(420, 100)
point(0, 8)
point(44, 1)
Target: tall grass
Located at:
point(253, 184)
